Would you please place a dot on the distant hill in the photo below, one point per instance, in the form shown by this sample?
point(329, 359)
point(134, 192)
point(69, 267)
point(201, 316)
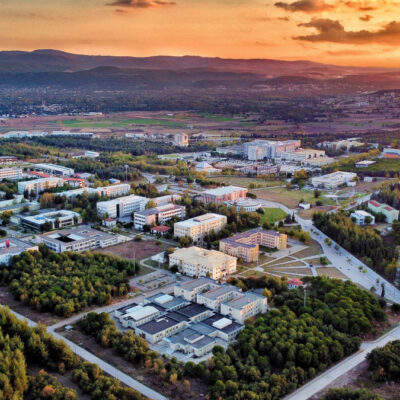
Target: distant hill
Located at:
point(57, 69)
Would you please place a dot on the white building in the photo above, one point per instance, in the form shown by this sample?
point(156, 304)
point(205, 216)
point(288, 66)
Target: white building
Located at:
point(224, 193)
point(122, 206)
point(181, 139)
point(206, 167)
point(302, 155)
point(78, 239)
point(195, 261)
point(158, 215)
point(52, 169)
point(39, 185)
point(104, 191)
point(53, 219)
point(334, 180)
point(270, 149)
point(68, 133)
point(164, 200)
point(360, 217)
point(23, 134)
point(197, 227)
point(249, 205)
point(10, 173)
point(12, 247)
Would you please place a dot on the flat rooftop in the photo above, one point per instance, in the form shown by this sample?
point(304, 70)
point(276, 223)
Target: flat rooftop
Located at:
point(51, 216)
point(201, 220)
point(159, 325)
point(79, 234)
point(196, 283)
point(247, 298)
point(224, 190)
point(192, 310)
point(214, 293)
point(233, 327)
point(15, 246)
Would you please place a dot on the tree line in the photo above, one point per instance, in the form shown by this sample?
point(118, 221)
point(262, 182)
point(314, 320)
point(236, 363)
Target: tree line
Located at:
point(65, 283)
point(363, 242)
point(22, 346)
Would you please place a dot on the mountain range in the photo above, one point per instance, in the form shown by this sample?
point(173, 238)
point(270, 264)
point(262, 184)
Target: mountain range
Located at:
point(61, 69)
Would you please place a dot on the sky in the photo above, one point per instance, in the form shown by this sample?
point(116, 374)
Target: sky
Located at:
point(349, 32)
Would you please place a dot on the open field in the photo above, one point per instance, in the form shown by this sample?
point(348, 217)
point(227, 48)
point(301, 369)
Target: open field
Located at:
point(313, 249)
point(331, 272)
point(272, 215)
point(135, 250)
point(290, 198)
point(308, 214)
point(244, 181)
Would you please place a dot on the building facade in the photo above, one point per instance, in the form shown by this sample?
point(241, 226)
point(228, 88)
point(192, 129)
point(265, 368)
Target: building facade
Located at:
point(197, 227)
point(246, 245)
point(10, 173)
point(52, 169)
point(121, 207)
point(12, 247)
point(361, 217)
point(38, 185)
point(390, 213)
point(222, 194)
point(51, 220)
point(334, 180)
point(158, 215)
point(195, 261)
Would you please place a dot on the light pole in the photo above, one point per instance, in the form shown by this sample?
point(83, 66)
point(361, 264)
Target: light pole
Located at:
point(126, 172)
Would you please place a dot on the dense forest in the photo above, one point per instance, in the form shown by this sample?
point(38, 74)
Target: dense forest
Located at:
point(363, 242)
point(350, 394)
point(22, 346)
point(65, 283)
point(384, 362)
point(389, 194)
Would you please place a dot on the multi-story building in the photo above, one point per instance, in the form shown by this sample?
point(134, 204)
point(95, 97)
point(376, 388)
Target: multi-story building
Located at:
point(181, 139)
point(391, 153)
point(334, 180)
point(8, 160)
point(68, 133)
point(106, 191)
point(39, 185)
point(12, 247)
point(248, 205)
point(85, 153)
point(196, 228)
point(51, 220)
point(10, 173)
point(224, 193)
point(23, 134)
point(122, 206)
point(158, 215)
point(78, 239)
point(269, 149)
point(302, 155)
point(361, 217)
point(246, 245)
point(163, 200)
point(390, 213)
point(195, 261)
point(56, 170)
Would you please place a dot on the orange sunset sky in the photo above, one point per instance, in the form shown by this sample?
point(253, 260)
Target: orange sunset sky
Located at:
point(357, 32)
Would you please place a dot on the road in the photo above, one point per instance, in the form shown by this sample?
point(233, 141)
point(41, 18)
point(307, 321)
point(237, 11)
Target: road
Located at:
point(106, 367)
point(342, 259)
point(327, 377)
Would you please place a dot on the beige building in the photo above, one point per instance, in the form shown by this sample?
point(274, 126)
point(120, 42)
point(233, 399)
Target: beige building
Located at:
point(198, 227)
point(246, 245)
point(195, 261)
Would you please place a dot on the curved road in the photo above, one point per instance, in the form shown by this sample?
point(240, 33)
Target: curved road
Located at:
point(106, 367)
point(322, 381)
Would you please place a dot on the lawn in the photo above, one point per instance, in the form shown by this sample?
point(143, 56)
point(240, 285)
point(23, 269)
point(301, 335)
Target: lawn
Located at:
point(272, 215)
point(244, 181)
point(313, 249)
point(330, 272)
point(290, 198)
point(115, 123)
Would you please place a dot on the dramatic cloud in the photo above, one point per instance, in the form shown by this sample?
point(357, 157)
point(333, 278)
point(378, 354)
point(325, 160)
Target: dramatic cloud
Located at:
point(306, 6)
point(140, 3)
point(366, 18)
point(364, 5)
point(333, 31)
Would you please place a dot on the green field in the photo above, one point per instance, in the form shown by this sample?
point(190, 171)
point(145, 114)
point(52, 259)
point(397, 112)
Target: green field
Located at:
point(244, 181)
point(381, 165)
point(272, 215)
point(116, 123)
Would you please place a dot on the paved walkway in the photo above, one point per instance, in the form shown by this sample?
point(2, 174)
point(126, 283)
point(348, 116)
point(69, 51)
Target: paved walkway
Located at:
point(322, 381)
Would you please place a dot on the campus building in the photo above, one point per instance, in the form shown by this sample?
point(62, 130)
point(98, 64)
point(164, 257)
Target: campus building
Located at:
point(249, 205)
point(78, 239)
point(390, 213)
point(104, 191)
point(122, 206)
point(246, 245)
point(224, 193)
point(197, 227)
point(10, 173)
point(181, 139)
point(195, 261)
point(391, 153)
point(51, 220)
point(12, 247)
point(302, 155)
point(158, 215)
point(8, 160)
point(334, 180)
point(39, 185)
point(360, 217)
point(52, 169)
point(269, 149)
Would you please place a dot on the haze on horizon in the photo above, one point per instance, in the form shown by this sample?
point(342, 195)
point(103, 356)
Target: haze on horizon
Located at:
point(349, 32)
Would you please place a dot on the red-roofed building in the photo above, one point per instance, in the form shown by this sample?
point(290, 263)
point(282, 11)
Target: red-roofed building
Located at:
point(75, 182)
point(39, 174)
point(390, 213)
point(160, 229)
point(110, 222)
point(294, 283)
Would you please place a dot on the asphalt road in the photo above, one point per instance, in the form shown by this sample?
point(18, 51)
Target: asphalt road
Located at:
point(322, 381)
point(108, 368)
